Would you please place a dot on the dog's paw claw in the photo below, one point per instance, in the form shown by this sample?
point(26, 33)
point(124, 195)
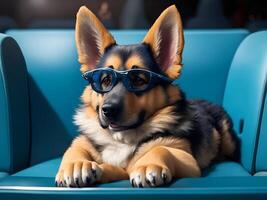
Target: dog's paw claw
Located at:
point(78, 174)
point(150, 176)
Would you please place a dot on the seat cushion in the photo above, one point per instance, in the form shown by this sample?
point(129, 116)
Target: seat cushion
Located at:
point(3, 174)
point(225, 169)
point(49, 169)
point(45, 169)
point(51, 59)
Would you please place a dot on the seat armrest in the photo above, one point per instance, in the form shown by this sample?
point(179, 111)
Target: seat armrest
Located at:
point(237, 188)
point(14, 105)
point(245, 92)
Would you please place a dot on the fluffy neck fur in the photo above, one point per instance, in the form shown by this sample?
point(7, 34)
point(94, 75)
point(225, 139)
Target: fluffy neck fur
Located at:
point(89, 125)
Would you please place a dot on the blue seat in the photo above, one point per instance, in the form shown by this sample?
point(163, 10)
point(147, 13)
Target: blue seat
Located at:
point(40, 90)
point(261, 60)
point(244, 100)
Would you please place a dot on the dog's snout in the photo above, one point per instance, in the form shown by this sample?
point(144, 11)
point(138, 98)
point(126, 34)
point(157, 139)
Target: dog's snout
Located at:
point(113, 103)
point(111, 110)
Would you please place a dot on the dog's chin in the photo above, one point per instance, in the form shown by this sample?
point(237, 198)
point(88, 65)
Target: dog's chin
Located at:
point(117, 128)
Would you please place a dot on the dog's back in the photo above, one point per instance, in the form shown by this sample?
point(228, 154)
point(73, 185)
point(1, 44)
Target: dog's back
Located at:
point(216, 140)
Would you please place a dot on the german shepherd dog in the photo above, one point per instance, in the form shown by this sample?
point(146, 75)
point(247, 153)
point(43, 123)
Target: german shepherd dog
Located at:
point(134, 123)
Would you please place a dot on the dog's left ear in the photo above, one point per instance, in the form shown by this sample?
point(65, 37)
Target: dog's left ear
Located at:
point(92, 39)
point(166, 41)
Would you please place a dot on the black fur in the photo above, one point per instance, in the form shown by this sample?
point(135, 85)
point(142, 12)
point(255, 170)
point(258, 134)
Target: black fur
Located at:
point(204, 117)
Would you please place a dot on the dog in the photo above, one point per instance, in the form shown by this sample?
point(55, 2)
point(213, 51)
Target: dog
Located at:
point(134, 123)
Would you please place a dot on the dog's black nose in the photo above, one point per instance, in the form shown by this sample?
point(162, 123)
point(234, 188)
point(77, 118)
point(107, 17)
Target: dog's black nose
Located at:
point(111, 110)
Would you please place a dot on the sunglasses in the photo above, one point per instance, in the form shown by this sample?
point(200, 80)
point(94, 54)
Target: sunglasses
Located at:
point(134, 80)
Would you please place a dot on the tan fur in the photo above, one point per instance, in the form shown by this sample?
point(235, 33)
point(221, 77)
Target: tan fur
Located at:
point(179, 162)
point(87, 96)
point(166, 141)
point(153, 38)
point(112, 173)
point(173, 93)
point(116, 61)
point(82, 145)
point(81, 155)
point(148, 101)
point(174, 71)
point(113, 60)
point(153, 100)
point(80, 149)
point(91, 99)
point(134, 60)
point(160, 120)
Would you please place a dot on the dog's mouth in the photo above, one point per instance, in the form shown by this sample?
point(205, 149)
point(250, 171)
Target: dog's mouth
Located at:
point(115, 127)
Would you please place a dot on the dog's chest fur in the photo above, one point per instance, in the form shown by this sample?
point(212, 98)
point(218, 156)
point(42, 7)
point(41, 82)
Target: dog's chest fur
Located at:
point(117, 154)
point(113, 150)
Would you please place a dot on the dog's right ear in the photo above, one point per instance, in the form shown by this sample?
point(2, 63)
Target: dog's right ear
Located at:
point(166, 40)
point(92, 38)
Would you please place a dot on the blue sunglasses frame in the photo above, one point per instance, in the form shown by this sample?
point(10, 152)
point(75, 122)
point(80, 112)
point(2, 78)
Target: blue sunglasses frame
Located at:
point(154, 79)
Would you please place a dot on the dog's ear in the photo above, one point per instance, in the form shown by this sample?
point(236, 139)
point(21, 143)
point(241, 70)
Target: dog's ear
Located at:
point(92, 38)
point(166, 41)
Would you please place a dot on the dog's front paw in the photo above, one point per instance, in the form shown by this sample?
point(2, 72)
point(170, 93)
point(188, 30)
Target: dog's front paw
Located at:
point(150, 176)
point(78, 174)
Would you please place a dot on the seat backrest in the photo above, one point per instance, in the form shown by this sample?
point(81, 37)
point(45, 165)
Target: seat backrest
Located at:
point(261, 159)
point(14, 107)
point(244, 98)
point(260, 43)
point(207, 58)
point(55, 82)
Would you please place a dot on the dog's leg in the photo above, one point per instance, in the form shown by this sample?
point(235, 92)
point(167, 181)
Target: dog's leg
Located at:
point(159, 165)
point(112, 173)
point(79, 166)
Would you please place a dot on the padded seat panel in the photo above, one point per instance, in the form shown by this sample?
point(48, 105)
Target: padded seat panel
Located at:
point(244, 99)
point(238, 188)
point(45, 169)
point(225, 169)
point(3, 174)
point(49, 169)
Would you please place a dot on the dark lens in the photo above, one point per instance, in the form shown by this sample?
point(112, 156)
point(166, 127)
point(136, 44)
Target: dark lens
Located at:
point(139, 79)
point(103, 80)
